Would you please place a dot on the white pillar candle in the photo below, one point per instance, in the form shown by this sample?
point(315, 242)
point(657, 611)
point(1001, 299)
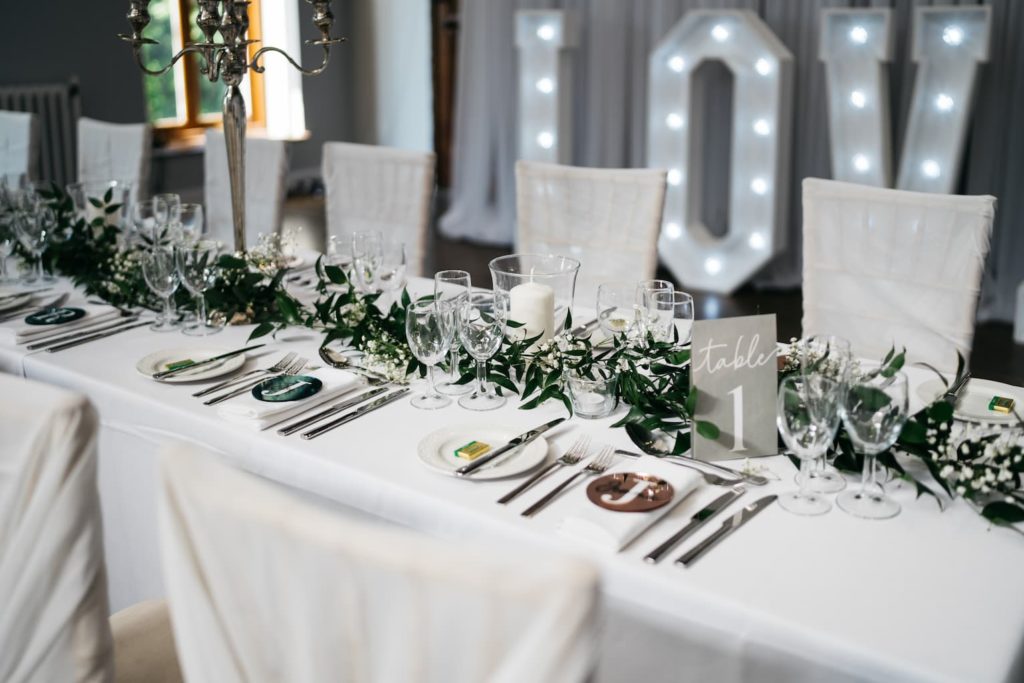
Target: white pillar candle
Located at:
point(533, 304)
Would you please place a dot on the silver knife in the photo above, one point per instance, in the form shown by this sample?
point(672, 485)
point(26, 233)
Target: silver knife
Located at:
point(101, 326)
point(55, 303)
point(333, 410)
point(163, 374)
point(521, 440)
point(100, 335)
point(697, 521)
point(358, 412)
point(730, 525)
point(585, 328)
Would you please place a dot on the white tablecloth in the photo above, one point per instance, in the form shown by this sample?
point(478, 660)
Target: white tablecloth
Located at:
point(927, 596)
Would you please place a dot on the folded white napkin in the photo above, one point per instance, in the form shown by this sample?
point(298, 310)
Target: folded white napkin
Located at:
point(585, 521)
point(259, 415)
point(21, 332)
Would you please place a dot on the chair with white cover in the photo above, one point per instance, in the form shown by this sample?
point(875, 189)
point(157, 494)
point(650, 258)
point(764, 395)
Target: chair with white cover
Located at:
point(53, 619)
point(115, 151)
point(380, 188)
point(889, 267)
point(266, 169)
point(19, 144)
point(267, 586)
point(607, 219)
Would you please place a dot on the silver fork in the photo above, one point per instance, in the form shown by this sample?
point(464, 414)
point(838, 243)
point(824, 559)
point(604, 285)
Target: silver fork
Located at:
point(709, 478)
point(295, 368)
point(571, 457)
point(277, 367)
point(597, 465)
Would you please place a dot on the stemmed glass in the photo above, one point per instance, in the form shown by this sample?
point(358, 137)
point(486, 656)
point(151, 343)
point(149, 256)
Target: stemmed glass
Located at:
point(645, 290)
point(197, 266)
point(167, 208)
point(451, 287)
point(33, 233)
point(808, 416)
point(482, 318)
point(145, 217)
point(190, 224)
point(339, 253)
point(159, 270)
point(8, 237)
point(874, 412)
point(670, 310)
point(829, 356)
point(617, 308)
point(367, 252)
point(390, 274)
point(429, 327)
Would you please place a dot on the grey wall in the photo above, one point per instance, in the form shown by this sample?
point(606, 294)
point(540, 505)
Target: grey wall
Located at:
point(56, 40)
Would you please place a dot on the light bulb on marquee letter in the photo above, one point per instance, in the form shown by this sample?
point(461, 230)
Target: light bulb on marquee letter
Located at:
point(949, 42)
point(545, 115)
point(855, 45)
point(762, 70)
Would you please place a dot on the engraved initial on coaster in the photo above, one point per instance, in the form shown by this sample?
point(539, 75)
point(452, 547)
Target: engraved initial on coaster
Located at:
point(629, 492)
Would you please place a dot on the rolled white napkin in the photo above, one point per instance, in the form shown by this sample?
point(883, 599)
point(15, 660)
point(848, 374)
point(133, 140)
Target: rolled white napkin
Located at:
point(586, 522)
point(21, 332)
point(259, 415)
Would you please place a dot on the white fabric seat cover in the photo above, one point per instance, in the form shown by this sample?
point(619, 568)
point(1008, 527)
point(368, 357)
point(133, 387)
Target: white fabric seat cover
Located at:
point(266, 168)
point(115, 151)
point(890, 267)
point(608, 219)
point(53, 590)
point(380, 188)
point(19, 143)
point(265, 586)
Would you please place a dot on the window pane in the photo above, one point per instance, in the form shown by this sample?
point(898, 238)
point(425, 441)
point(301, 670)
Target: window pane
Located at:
point(162, 98)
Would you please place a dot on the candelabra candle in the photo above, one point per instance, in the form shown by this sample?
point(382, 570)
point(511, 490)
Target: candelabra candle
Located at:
point(228, 61)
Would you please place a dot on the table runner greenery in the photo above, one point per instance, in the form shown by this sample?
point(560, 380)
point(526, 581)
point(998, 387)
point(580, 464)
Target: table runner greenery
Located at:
point(983, 464)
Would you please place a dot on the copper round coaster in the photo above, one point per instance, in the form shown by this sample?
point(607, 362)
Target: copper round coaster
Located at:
point(629, 492)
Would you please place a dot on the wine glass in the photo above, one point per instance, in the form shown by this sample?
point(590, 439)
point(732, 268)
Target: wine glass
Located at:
point(668, 311)
point(831, 357)
point(339, 253)
point(8, 238)
point(145, 216)
point(808, 416)
point(390, 274)
point(160, 272)
point(482, 318)
point(616, 307)
point(190, 224)
point(33, 233)
point(428, 329)
point(167, 209)
point(874, 412)
point(451, 287)
point(367, 252)
point(197, 266)
point(645, 289)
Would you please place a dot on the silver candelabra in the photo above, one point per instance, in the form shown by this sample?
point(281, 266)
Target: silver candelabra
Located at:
point(228, 61)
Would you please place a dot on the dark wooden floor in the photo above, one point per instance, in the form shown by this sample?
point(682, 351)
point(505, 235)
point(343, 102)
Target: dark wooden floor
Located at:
point(994, 356)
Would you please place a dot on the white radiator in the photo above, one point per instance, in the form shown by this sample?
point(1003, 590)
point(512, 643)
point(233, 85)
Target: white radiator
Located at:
point(58, 108)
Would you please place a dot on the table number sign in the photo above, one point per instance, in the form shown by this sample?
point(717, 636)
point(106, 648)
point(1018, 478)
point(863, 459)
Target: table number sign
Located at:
point(734, 371)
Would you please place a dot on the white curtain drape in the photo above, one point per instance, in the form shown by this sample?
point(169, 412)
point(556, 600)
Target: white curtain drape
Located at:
point(609, 117)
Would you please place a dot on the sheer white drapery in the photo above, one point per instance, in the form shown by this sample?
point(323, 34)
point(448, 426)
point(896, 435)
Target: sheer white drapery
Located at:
point(115, 151)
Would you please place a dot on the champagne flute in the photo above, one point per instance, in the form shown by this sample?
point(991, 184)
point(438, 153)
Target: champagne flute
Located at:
point(831, 357)
point(482, 318)
point(367, 252)
point(33, 232)
point(391, 271)
point(670, 311)
point(160, 272)
point(874, 412)
point(808, 416)
point(451, 287)
point(197, 266)
point(190, 224)
point(429, 329)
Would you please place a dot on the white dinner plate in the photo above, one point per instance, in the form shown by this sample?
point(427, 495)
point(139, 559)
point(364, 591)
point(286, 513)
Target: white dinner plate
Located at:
point(158, 361)
point(15, 301)
point(437, 451)
point(972, 406)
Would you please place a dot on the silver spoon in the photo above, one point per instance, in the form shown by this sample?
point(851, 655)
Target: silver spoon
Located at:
point(651, 445)
point(337, 360)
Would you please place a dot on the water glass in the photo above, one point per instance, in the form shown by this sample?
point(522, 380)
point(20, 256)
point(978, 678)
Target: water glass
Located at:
point(591, 390)
point(874, 411)
point(617, 311)
point(197, 266)
point(670, 313)
point(482, 318)
point(451, 287)
point(831, 357)
point(807, 417)
point(161, 274)
point(429, 328)
point(367, 252)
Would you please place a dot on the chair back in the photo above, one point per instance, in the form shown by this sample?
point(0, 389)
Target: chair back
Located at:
point(380, 188)
point(607, 219)
point(266, 586)
point(889, 267)
point(19, 144)
point(115, 151)
point(53, 618)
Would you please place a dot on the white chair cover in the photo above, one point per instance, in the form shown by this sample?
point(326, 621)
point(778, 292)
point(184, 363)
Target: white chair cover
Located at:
point(265, 586)
point(266, 168)
point(115, 151)
point(19, 143)
point(608, 219)
point(889, 267)
point(53, 590)
point(380, 188)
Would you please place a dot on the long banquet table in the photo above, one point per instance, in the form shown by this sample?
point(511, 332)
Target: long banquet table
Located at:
point(926, 596)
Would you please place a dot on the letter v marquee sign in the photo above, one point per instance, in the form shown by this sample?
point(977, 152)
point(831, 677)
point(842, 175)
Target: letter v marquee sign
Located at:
point(948, 45)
